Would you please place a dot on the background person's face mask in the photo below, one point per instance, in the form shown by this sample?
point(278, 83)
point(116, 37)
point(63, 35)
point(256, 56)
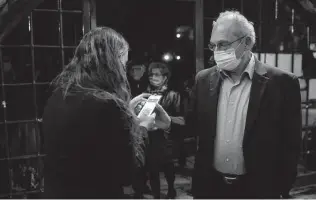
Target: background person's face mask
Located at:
point(227, 59)
point(156, 79)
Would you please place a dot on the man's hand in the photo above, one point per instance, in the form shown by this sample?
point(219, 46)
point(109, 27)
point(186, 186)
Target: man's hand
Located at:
point(163, 120)
point(133, 103)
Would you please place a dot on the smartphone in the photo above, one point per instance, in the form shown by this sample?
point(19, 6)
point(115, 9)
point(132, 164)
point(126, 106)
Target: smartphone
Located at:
point(150, 105)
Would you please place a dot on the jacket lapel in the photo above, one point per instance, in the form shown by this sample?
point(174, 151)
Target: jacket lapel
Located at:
point(213, 90)
point(257, 90)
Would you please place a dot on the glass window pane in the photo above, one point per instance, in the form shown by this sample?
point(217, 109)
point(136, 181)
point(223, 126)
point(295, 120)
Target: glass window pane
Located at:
point(48, 4)
point(185, 14)
point(208, 26)
point(285, 62)
point(3, 150)
point(212, 8)
point(251, 10)
point(284, 13)
point(71, 4)
point(4, 180)
point(24, 139)
point(184, 65)
point(46, 32)
point(272, 37)
point(68, 55)
point(27, 175)
point(268, 10)
point(232, 5)
point(312, 94)
point(278, 37)
point(47, 63)
point(298, 65)
point(312, 33)
point(1, 110)
point(43, 92)
point(19, 102)
point(72, 27)
point(17, 65)
point(269, 58)
point(20, 35)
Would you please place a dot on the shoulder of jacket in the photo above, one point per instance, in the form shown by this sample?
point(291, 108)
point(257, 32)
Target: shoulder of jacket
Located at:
point(204, 72)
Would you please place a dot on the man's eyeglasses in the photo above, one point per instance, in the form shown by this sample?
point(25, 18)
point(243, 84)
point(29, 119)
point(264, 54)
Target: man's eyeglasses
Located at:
point(156, 75)
point(222, 45)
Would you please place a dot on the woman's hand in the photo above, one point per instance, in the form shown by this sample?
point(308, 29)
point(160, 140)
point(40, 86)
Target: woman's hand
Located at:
point(147, 121)
point(163, 120)
point(133, 103)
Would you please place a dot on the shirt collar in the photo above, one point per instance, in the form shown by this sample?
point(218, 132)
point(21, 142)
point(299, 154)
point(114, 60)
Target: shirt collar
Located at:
point(250, 67)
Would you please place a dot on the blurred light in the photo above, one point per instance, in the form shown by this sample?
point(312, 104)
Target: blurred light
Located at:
point(186, 32)
point(312, 46)
point(29, 18)
point(178, 57)
point(314, 54)
point(281, 47)
point(167, 57)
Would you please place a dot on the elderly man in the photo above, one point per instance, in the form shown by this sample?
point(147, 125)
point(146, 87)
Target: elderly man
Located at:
point(247, 116)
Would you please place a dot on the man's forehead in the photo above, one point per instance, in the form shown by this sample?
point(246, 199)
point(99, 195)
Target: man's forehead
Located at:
point(224, 31)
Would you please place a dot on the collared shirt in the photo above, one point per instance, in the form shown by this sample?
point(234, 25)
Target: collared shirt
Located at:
point(231, 120)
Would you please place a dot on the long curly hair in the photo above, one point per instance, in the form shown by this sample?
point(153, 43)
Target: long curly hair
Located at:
point(96, 67)
point(96, 70)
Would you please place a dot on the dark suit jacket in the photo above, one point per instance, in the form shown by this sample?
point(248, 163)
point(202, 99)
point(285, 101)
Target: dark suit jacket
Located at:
point(272, 135)
point(88, 148)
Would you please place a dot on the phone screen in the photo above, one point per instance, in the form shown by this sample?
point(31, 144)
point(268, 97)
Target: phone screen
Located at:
point(150, 105)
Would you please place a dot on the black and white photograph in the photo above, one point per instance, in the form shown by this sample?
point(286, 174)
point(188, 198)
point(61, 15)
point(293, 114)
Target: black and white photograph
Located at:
point(157, 99)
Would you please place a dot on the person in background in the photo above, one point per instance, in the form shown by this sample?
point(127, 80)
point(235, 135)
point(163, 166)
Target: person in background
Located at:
point(92, 139)
point(159, 151)
point(138, 82)
point(247, 116)
point(180, 138)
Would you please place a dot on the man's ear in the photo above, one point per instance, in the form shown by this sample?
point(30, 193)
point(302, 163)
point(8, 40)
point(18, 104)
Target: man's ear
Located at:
point(248, 43)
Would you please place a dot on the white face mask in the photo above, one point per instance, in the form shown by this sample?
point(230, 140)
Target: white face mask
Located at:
point(158, 81)
point(227, 60)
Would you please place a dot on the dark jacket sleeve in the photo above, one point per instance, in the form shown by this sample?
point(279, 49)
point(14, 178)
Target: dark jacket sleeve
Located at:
point(291, 134)
point(177, 116)
point(191, 114)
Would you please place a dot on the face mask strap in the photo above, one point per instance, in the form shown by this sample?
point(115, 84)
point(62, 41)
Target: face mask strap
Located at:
point(244, 48)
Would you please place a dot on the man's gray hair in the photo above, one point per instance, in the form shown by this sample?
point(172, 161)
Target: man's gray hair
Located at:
point(246, 26)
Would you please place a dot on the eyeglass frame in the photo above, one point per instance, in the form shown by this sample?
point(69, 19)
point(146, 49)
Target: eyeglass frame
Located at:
point(226, 45)
point(157, 75)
